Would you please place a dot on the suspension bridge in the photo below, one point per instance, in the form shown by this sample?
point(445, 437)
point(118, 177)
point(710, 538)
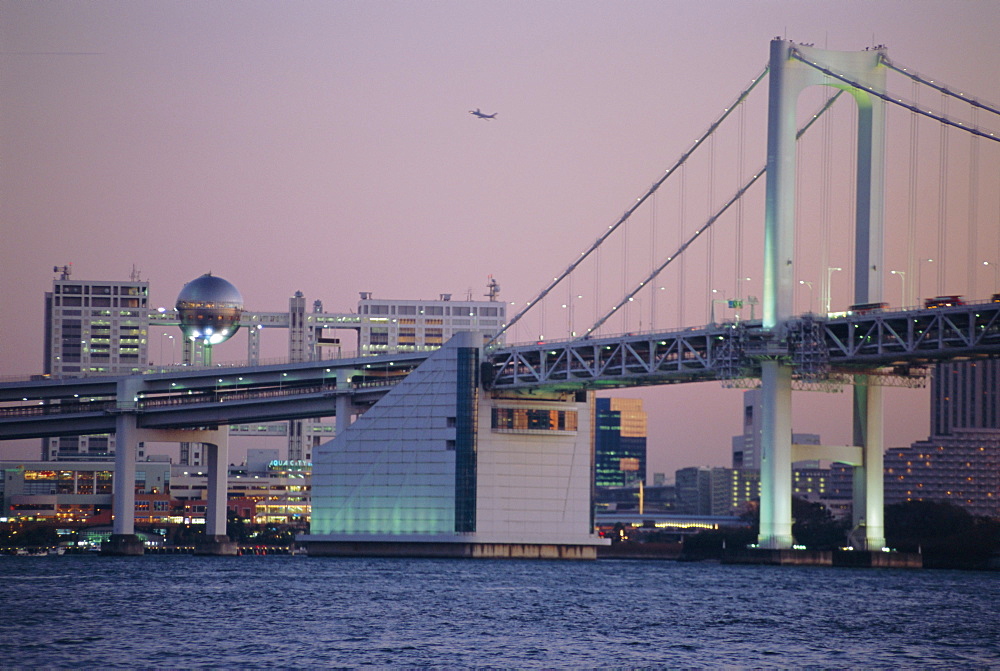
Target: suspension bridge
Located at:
point(618, 315)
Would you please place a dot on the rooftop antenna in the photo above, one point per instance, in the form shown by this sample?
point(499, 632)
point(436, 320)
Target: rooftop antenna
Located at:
point(65, 271)
point(135, 275)
point(492, 289)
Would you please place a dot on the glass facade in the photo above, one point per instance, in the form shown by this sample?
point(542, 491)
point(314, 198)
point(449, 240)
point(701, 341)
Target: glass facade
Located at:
point(619, 442)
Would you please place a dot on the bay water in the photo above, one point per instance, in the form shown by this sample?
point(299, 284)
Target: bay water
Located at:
point(178, 611)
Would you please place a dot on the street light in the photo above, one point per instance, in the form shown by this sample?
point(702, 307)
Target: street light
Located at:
point(711, 307)
point(829, 289)
point(810, 285)
point(172, 349)
point(920, 276)
point(902, 276)
point(996, 275)
point(569, 315)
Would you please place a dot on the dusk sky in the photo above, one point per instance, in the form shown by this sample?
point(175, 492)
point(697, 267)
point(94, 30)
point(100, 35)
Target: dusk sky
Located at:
point(326, 147)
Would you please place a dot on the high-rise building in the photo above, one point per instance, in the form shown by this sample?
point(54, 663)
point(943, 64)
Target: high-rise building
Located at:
point(960, 461)
point(93, 328)
point(619, 442)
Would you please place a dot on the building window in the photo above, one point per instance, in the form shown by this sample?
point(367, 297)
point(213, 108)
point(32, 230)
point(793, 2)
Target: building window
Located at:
point(533, 420)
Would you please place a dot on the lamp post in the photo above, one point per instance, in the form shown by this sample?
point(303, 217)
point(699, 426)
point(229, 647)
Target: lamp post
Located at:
point(920, 276)
point(902, 276)
point(568, 306)
point(711, 307)
point(829, 288)
point(172, 348)
point(810, 285)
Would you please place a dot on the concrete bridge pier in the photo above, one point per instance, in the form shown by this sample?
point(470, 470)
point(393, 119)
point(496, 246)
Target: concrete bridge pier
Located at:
point(123, 540)
point(216, 542)
point(344, 407)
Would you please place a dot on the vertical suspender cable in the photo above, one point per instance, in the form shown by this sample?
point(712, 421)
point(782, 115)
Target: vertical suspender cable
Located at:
point(852, 197)
point(680, 239)
point(740, 157)
point(624, 262)
point(973, 254)
point(710, 252)
point(912, 267)
point(942, 197)
point(652, 261)
point(628, 213)
point(824, 199)
point(707, 225)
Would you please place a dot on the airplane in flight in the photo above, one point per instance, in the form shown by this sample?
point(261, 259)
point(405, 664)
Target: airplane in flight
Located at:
point(482, 115)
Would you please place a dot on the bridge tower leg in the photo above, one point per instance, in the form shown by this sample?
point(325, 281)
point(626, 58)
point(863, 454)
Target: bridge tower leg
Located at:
point(776, 460)
point(868, 508)
point(788, 77)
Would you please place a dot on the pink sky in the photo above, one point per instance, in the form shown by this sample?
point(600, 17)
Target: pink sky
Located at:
point(326, 147)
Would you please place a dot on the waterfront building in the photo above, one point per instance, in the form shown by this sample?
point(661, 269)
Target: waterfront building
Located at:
point(959, 462)
point(619, 442)
point(72, 492)
point(442, 467)
point(271, 492)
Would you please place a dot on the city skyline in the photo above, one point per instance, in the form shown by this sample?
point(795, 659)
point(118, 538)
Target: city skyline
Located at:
point(329, 150)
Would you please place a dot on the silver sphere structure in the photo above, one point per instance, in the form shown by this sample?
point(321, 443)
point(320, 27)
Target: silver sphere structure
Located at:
point(209, 308)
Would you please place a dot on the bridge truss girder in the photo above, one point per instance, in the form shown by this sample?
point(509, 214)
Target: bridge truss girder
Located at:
point(876, 344)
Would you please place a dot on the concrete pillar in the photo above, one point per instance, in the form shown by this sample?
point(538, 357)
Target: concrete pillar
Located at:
point(124, 540)
point(776, 457)
point(218, 476)
point(123, 491)
point(869, 501)
point(216, 542)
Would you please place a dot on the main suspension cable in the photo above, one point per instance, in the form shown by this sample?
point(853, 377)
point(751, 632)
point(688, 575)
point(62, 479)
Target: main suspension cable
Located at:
point(628, 213)
point(917, 77)
point(900, 102)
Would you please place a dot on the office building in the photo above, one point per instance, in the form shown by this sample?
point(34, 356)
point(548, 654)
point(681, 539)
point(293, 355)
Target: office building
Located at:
point(390, 326)
point(619, 442)
point(93, 328)
point(715, 491)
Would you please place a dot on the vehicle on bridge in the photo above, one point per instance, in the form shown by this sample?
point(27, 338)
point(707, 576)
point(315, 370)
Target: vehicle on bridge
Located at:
point(944, 301)
point(867, 308)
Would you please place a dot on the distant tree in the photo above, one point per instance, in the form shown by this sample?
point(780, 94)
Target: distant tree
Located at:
point(946, 535)
point(236, 527)
point(815, 527)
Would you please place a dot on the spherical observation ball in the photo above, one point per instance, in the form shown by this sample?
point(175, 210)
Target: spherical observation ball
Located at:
point(209, 308)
